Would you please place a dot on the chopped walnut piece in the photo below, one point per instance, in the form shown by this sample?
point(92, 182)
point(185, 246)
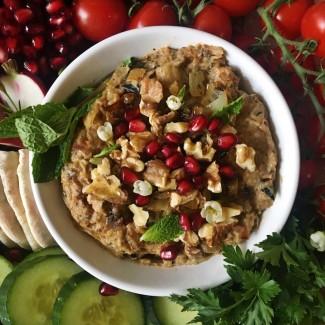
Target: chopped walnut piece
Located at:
point(104, 168)
point(178, 174)
point(176, 199)
point(229, 212)
point(213, 178)
point(135, 75)
point(151, 90)
point(227, 128)
point(105, 188)
point(135, 164)
point(208, 232)
point(191, 238)
point(158, 204)
point(156, 173)
point(198, 150)
point(178, 127)
point(171, 185)
point(140, 217)
point(139, 140)
point(245, 157)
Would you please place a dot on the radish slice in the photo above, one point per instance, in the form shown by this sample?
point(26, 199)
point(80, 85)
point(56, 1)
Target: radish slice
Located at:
point(18, 91)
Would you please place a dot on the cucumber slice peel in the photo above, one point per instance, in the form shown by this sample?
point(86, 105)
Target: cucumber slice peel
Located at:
point(52, 250)
point(28, 293)
point(79, 302)
point(5, 268)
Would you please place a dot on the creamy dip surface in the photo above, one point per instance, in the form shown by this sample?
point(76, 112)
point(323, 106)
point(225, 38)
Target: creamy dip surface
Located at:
point(171, 154)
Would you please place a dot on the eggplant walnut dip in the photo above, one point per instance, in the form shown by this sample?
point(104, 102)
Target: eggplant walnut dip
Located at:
point(173, 160)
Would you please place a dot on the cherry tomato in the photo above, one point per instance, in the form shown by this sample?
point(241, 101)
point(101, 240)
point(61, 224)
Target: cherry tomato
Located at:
point(194, 3)
point(308, 169)
point(288, 17)
point(99, 19)
point(313, 26)
point(319, 200)
point(154, 13)
point(236, 8)
point(214, 20)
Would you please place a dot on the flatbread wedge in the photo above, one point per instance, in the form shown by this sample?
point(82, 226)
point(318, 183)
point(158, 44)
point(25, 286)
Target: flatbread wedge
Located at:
point(9, 223)
point(34, 219)
point(4, 239)
point(8, 173)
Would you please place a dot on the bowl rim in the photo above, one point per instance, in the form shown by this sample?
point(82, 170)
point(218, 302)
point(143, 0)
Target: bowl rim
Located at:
point(151, 288)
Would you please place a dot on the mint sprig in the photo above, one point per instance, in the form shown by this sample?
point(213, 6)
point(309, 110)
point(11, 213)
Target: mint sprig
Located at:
point(233, 108)
point(165, 229)
point(106, 151)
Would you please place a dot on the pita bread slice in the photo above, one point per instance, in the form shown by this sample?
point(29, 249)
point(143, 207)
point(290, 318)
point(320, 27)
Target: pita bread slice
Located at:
point(8, 174)
point(9, 223)
point(34, 219)
point(6, 240)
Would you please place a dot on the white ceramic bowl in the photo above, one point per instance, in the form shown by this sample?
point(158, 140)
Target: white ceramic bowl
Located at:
point(93, 65)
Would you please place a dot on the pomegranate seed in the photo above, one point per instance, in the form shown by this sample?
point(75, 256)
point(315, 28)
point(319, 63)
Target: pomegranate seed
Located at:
point(57, 21)
point(43, 65)
point(184, 186)
point(196, 221)
point(57, 34)
point(174, 161)
point(4, 56)
point(227, 171)
point(169, 253)
point(120, 129)
point(141, 201)
point(226, 141)
point(131, 114)
point(4, 15)
point(106, 289)
point(214, 125)
point(57, 63)
point(198, 123)
point(31, 66)
point(13, 45)
point(74, 39)
point(66, 13)
point(152, 148)
point(128, 176)
point(34, 29)
point(30, 51)
point(199, 182)
point(137, 126)
point(10, 30)
point(12, 4)
point(61, 47)
point(173, 137)
point(68, 28)
point(54, 6)
point(22, 16)
point(38, 42)
point(184, 221)
point(168, 149)
point(191, 165)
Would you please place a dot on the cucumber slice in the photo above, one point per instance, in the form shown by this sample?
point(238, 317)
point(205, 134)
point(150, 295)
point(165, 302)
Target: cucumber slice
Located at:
point(52, 250)
point(28, 293)
point(170, 313)
point(79, 302)
point(5, 268)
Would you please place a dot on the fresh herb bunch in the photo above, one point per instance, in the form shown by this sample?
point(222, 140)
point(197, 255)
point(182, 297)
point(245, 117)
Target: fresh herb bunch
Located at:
point(282, 287)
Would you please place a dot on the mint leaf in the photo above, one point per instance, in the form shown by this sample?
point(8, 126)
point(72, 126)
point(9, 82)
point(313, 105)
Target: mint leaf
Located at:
point(107, 151)
point(232, 108)
point(181, 93)
point(80, 94)
point(165, 229)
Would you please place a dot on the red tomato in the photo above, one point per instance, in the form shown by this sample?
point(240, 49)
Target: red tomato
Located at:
point(319, 199)
point(214, 20)
point(236, 8)
point(313, 26)
point(194, 3)
point(288, 17)
point(99, 19)
point(154, 13)
point(308, 169)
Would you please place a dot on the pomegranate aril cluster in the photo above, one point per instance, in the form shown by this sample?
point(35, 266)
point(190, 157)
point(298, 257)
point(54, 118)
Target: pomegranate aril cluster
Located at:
point(39, 35)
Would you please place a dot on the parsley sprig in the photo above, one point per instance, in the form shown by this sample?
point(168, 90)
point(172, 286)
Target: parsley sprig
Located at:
point(278, 285)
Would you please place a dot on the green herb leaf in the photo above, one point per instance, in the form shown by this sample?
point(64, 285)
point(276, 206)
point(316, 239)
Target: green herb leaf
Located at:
point(181, 93)
point(229, 110)
point(80, 94)
point(165, 229)
point(128, 62)
point(107, 151)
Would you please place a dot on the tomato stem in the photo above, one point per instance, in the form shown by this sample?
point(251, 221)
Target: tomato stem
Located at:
point(287, 55)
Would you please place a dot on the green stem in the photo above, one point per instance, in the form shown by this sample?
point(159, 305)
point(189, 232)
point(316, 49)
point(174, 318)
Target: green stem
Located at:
point(287, 55)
